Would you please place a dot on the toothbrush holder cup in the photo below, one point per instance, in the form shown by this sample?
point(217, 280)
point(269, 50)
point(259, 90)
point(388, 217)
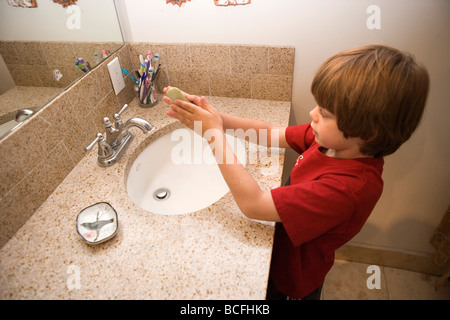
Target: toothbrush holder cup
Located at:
point(147, 94)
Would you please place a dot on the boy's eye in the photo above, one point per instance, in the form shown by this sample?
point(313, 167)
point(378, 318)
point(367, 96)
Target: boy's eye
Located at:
point(325, 113)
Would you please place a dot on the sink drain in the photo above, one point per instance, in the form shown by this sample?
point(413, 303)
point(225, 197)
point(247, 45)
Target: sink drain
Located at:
point(161, 194)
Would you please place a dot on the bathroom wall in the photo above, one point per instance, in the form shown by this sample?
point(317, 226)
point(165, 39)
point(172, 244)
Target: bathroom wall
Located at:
point(417, 177)
point(97, 22)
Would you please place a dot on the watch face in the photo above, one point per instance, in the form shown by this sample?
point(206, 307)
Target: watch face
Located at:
point(97, 223)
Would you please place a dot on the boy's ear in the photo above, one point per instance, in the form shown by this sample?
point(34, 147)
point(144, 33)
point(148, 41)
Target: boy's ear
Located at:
point(373, 137)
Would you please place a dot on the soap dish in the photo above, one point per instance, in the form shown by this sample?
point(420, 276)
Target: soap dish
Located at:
point(97, 223)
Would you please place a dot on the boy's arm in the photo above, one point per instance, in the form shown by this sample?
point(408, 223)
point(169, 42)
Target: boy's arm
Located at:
point(254, 202)
point(272, 132)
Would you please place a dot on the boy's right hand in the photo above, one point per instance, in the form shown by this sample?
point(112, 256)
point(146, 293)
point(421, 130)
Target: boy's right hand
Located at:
point(199, 109)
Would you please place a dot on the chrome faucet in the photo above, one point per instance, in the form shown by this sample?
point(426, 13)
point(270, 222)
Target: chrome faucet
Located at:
point(111, 148)
point(23, 114)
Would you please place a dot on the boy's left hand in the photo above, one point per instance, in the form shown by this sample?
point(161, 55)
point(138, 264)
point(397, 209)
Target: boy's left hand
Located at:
point(199, 109)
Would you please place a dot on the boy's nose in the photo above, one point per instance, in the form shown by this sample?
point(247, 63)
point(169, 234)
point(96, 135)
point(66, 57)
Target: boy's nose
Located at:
point(313, 113)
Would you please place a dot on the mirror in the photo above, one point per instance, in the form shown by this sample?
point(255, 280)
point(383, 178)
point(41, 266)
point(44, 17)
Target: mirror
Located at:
point(45, 49)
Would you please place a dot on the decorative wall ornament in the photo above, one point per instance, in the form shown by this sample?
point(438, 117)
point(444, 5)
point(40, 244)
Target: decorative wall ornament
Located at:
point(65, 3)
point(178, 2)
point(231, 2)
point(23, 3)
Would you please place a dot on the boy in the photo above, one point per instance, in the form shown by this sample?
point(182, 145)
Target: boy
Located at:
point(369, 101)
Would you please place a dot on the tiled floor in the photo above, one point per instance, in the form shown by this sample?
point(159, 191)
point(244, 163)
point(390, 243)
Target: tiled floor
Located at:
point(348, 281)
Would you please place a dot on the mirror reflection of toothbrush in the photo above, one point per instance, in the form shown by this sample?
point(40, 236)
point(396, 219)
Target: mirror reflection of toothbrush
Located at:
point(97, 59)
point(81, 67)
point(85, 65)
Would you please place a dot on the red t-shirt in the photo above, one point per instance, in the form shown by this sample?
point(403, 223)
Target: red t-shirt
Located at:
point(326, 204)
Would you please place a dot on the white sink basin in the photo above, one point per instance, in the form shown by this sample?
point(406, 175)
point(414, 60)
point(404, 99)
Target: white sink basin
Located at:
point(178, 174)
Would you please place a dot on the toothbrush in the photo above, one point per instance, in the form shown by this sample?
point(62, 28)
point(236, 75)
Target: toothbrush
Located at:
point(128, 74)
point(137, 74)
point(146, 65)
point(156, 59)
point(150, 75)
point(143, 86)
point(147, 68)
point(142, 69)
point(149, 56)
point(156, 72)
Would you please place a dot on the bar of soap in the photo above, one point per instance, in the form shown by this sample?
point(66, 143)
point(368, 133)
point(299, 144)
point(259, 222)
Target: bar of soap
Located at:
point(175, 93)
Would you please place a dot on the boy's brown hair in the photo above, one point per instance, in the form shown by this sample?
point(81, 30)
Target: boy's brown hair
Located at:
point(376, 92)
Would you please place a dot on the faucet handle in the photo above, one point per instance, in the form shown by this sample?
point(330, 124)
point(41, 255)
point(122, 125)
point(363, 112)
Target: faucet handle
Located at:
point(106, 122)
point(92, 144)
point(117, 121)
point(104, 149)
point(117, 115)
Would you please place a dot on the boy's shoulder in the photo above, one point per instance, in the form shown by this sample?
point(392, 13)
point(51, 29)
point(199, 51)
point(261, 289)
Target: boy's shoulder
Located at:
point(300, 137)
point(349, 175)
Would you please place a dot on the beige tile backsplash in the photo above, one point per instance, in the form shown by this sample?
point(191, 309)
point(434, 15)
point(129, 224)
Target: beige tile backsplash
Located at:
point(239, 71)
point(38, 156)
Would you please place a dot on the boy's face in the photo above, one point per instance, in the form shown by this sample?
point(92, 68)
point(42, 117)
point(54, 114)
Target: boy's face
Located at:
point(328, 135)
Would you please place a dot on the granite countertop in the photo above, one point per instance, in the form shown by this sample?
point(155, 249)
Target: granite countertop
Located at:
point(214, 253)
